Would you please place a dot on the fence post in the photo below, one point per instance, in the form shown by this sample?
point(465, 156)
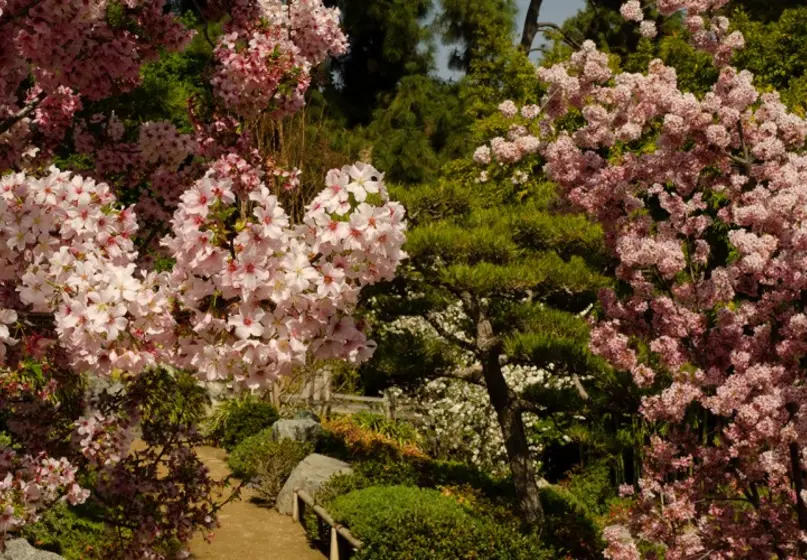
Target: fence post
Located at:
point(334, 544)
point(385, 404)
point(393, 405)
point(295, 508)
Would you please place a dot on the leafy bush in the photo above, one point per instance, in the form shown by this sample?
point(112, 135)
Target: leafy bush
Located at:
point(172, 398)
point(69, 532)
point(268, 462)
point(237, 419)
point(399, 522)
point(399, 431)
point(357, 436)
point(570, 528)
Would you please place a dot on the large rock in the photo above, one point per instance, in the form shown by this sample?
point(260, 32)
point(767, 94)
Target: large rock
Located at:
point(314, 471)
point(20, 549)
point(299, 429)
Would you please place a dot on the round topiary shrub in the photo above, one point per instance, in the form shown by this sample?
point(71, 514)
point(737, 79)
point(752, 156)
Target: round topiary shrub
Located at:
point(244, 419)
point(402, 522)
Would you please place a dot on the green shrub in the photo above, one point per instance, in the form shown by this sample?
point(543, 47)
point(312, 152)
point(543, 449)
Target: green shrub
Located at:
point(397, 430)
point(248, 456)
point(570, 528)
point(268, 462)
point(408, 523)
point(174, 399)
point(593, 486)
point(235, 420)
point(69, 532)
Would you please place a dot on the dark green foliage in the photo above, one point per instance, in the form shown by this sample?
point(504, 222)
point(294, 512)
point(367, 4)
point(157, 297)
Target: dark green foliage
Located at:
point(418, 129)
point(241, 419)
point(536, 266)
point(776, 52)
point(570, 528)
point(398, 522)
point(476, 28)
point(174, 398)
point(388, 41)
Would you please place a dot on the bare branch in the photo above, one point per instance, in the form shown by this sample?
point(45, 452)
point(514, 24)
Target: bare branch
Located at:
point(6, 125)
point(546, 27)
point(530, 25)
point(452, 338)
point(472, 374)
point(205, 30)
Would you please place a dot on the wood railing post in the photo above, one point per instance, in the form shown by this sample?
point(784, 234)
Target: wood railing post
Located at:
point(334, 544)
point(295, 508)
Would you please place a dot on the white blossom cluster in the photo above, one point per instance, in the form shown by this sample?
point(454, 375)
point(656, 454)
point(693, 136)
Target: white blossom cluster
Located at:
point(456, 415)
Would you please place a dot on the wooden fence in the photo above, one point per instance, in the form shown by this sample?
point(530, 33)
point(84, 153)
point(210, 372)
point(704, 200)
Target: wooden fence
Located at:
point(341, 403)
point(342, 544)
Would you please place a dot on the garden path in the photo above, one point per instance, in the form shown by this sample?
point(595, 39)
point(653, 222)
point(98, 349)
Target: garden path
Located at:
point(249, 532)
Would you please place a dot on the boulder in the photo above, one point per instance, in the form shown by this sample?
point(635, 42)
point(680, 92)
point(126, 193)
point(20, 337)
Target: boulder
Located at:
point(314, 471)
point(302, 429)
point(20, 549)
point(306, 414)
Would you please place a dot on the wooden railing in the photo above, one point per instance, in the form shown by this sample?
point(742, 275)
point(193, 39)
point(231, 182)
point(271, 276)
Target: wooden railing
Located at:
point(347, 404)
point(343, 543)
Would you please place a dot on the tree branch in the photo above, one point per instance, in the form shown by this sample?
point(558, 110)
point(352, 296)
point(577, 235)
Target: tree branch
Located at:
point(205, 30)
point(472, 374)
point(6, 125)
point(530, 25)
point(546, 26)
point(17, 15)
point(454, 339)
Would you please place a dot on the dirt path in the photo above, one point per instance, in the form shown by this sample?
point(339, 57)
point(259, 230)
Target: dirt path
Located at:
point(249, 532)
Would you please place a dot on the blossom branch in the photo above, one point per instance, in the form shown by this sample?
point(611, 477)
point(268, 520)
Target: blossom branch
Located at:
point(23, 113)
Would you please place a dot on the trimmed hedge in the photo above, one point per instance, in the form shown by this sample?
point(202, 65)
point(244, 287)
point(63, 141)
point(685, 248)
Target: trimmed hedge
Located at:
point(408, 523)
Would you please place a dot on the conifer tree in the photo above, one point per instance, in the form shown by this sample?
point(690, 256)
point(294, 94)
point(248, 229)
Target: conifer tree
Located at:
point(520, 271)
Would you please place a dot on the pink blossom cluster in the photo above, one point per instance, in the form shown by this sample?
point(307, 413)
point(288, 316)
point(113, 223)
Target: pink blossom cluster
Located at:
point(253, 293)
point(102, 439)
point(32, 484)
point(264, 292)
point(710, 36)
point(160, 142)
point(708, 228)
point(261, 292)
point(70, 50)
point(267, 69)
point(68, 251)
point(520, 144)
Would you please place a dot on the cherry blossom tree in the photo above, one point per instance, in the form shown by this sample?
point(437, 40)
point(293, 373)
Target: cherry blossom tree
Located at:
point(701, 200)
point(251, 293)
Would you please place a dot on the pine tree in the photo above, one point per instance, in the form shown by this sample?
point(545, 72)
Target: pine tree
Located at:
point(521, 270)
point(389, 39)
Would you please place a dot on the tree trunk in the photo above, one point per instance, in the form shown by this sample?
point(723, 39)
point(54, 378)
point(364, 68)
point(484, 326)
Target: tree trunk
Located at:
point(508, 413)
point(530, 25)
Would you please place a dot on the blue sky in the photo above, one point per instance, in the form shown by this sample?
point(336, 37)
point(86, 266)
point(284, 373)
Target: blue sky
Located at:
point(555, 11)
